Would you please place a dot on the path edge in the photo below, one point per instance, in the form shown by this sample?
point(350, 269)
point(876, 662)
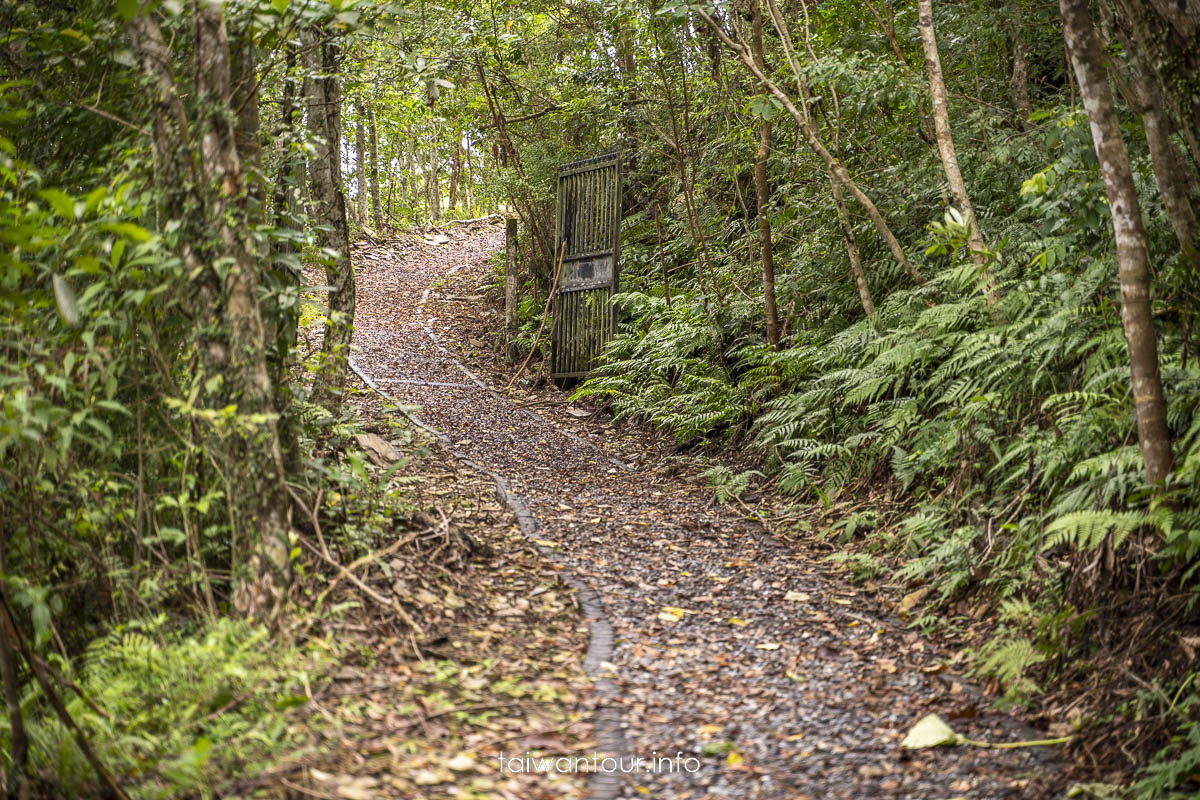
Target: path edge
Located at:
point(606, 722)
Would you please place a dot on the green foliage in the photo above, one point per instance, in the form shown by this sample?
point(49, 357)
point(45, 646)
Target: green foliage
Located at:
point(175, 710)
point(1005, 432)
point(727, 484)
point(1173, 772)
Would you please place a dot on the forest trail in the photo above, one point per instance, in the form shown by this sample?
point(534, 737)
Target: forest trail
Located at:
point(729, 644)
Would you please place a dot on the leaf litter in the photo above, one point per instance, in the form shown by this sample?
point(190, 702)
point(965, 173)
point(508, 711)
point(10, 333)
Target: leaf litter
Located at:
point(733, 646)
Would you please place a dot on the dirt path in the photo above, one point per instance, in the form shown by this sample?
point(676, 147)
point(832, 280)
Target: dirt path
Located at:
point(730, 646)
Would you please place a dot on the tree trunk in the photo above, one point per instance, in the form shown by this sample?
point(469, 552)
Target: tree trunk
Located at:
point(236, 348)
point(287, 180)
point(376, 208)
point(856, 267)
point(19, 742)
point(1019, 82)
point(360, 164)
point(815, 144)
point(762, 191)
point(470, 190)
point(1132, 255)
point(246, 133)
point(1148, 99)
point(945, 142)
point(434, 185)
point(455, 172)
point(329, 211)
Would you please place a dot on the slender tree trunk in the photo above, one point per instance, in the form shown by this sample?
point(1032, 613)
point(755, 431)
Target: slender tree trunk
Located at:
point(1083, 44)
point(455, 172)
point(762, 191)
point(360, 163)
point(19, 742)
point(470, 190)
point(434, 185)
point(286, 181)
point(1170, 173)
point(329, 209)
point(1147, 98)
point(246, 132)
point(420, 190)
point(1019, 81)
point(376, 208)
point(286, 206)
point(815, 144)
point(945, 141)
point(856, 267)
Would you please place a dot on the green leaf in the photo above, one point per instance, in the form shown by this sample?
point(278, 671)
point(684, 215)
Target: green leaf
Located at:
point(64, 297)
point(127, 9)
point(128, 230)
point(41, 620)
point(290, 701)
point(60, 201)
point(719, 748)
point(197, 756)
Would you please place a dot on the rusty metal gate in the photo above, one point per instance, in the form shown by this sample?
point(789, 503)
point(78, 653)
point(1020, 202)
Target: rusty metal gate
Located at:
point(589, 222)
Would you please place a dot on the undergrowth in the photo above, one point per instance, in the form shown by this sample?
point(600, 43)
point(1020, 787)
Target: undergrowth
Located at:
point(171, 708)
point(1002, 437)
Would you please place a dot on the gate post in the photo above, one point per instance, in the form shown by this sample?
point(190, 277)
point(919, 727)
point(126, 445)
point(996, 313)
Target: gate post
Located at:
point(512, 283)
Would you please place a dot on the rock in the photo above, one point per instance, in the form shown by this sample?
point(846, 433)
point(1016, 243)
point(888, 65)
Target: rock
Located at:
point(379, 450)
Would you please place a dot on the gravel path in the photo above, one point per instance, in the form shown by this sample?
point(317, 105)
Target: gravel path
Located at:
point(730, 646)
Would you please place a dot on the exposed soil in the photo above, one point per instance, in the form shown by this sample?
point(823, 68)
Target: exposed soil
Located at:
point(731, 645)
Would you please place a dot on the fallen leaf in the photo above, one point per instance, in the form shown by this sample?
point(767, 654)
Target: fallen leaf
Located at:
point(930, 731)
point(670, 614)
point(462, 763)
point(911, 599)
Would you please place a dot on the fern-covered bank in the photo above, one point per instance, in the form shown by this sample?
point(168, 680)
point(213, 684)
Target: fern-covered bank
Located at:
point(1000, 436)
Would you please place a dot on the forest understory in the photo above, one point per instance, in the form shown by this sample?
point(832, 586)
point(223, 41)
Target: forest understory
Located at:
point(807, 393)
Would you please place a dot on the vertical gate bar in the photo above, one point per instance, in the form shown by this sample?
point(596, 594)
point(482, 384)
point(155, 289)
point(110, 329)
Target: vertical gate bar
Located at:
point(604, 220)
point(575, 332)
point(590, 330)
point(585, 181)
point(570, 344)
point(598, 214)
point(591, 217)
point(592, 209)
point(559, 201)
point(569, 221)
point(580, 214)
point(556, 339)
point(599, 182)
point(600, 229)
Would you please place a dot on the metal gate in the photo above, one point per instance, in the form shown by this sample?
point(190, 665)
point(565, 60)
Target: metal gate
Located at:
point(589, 222)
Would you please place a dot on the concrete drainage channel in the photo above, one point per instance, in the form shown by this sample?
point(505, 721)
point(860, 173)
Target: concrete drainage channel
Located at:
point(610, 738)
